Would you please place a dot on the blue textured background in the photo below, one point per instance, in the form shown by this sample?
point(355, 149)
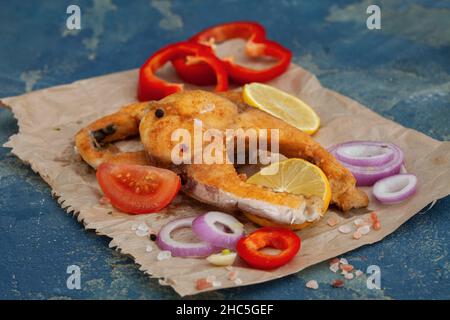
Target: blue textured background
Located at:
point(401, 71)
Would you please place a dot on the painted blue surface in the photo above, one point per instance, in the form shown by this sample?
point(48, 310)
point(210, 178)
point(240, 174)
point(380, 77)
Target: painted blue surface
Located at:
point(401, 71)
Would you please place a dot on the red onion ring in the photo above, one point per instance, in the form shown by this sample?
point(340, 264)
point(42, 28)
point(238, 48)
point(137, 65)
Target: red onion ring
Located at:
point(207, 228)
point(395, 189)
point(368, 175)
point(365, 153)
point(182, 249)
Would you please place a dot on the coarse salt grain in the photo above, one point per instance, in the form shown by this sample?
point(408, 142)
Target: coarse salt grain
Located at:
point(233, 275)
point(364, 229)
point(332, 221)
point(374, 217)
point(216, 284)
point(375, 222)
point(142, 227)
point(334, 267)
point(134, 226)
point(359, 222)
point(376, 226)
point(163, 255)
point(238, 281)
point(337, 284)
point(349, 276)
point(345, 229)
point(343, 261)
point(358, 273)
point(142, 230)
point(357, 235)
point(202, 284)
point(347, 267)
point(141, 233)
point(312, 284)
point(334, 260)
point(148, 248)
point(105, 200)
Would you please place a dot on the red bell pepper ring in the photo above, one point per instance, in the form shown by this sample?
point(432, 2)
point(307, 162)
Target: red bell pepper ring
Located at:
point(201, 74)
point(256, 46)
point(151, 87)
point(283, 239)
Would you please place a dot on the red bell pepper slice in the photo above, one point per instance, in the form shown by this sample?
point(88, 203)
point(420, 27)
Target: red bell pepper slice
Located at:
point(151, 87)
point(191, 71)
point(257, 46)
point(253, 32)
point(283, 239)
point(243, 75)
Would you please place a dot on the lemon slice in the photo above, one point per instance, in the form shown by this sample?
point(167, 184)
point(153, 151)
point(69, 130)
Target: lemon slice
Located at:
point(295, 176)
point(282, 105)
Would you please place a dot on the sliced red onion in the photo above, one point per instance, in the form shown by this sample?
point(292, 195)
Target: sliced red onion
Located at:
point(368, 175)
point(209, 227)
point(182, 249)
point(395, 189)
point(365, 153)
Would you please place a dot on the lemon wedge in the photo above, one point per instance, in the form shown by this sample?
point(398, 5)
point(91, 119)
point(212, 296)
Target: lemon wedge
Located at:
point(295, 176)
point(282, 105)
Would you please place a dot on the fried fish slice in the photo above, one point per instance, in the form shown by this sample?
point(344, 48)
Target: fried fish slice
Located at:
point(217, 184)
point(93, 142)
point(293, 143)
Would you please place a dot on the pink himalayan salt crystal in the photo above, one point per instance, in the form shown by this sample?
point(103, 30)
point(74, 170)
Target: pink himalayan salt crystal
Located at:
point(345, 229)
point(312, 284)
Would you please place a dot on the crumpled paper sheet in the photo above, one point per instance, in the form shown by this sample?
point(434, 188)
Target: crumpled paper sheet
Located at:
point(48, 120)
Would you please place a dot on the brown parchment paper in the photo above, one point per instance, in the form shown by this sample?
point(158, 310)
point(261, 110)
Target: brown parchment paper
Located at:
point(48, 120)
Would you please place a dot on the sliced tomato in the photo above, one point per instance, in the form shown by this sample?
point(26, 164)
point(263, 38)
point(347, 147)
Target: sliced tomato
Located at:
point(137, 189)
point(283, 239)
